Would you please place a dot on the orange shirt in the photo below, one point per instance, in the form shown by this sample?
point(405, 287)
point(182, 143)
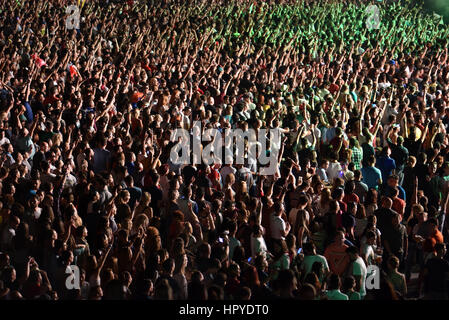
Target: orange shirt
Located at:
point(435, 237)
point(398, 205)
point(337, 258)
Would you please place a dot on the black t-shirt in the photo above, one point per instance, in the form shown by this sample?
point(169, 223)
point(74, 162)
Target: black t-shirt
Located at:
point(437, 268)
point(348, 220)
point(384, 217)
point(413, 147)
point(156, 196)
point(395, 238)
point(421, 171)
point(399, 154)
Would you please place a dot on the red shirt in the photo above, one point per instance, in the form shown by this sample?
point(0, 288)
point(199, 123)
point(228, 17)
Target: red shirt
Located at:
point(398, 206)
point(350, 198)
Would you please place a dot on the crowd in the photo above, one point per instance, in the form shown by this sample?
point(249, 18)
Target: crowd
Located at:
point(355, 210)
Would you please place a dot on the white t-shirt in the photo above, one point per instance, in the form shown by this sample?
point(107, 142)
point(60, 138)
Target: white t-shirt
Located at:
point(310, 260)
point(258, 245)
point(277, 227)
point(368, 252)
point(333, 171)
point(359, 269)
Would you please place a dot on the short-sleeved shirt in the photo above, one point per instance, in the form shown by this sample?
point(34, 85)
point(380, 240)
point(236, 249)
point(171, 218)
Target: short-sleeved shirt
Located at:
point(361, 189)
point(336, 295)
point(371, 176)
point(277, 227)
point(386, 166)
point(311, 259)
point(101, 159)
point(398, 205)
point(395, 238)
point(359, 269)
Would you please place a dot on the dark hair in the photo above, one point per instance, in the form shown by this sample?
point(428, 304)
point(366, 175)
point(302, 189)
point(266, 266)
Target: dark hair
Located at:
point(334, 282)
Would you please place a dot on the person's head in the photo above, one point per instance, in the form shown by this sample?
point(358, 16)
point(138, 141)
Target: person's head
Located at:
point(334, 282)
point(309, 248)
point(312, 278)
point(370, 237)
point(387, 203)
point(234, 270)
point(394, 193)
point(168, 266)
point(411, 161)
point(318, 268)
point(352, 252)
point(348, 284)
point(393, 181)
point(278, 208)
point(334, 206)
point(307, 292)
point(393, 263)
point(396, 219)
point(371, 161)
point(325, 164)
point(340, 238)
point(286, 281)
point(338, 194)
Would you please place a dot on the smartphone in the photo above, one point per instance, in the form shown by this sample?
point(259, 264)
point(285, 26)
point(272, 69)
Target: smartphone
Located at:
point(220, 239)
point(299, 250)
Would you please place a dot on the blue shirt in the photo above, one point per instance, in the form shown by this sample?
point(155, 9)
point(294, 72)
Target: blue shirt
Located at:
point(29, 112)
point(386, 166)
point(371, 176)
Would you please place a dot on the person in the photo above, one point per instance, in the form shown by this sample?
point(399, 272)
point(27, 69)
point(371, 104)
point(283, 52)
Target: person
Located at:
point(372, 176)
point(384, 214)
point(436, 275)
point(395, 241)
point(336, 254)
point(357, 269)
point(179, 275)
point(348, 288)
point(279, 227)
point(258, 244)
point(367, 250)
point(357, 153)
point(396, 278)
point(333, 292)
point(385, 163)
point(104, 160)
point(360, 188)
point(322, 171)
point(400, 155)
point(310, 257)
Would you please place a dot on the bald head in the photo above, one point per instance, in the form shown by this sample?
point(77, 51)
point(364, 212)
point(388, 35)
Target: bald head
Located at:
point(387, 203)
